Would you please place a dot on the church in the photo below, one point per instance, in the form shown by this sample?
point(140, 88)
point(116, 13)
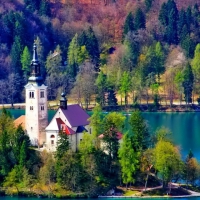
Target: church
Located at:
point(70, 119)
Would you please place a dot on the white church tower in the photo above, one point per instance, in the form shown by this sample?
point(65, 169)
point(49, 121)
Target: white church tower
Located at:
point(36, 104)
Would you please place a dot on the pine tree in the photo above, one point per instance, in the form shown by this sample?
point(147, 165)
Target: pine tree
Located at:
point(129, 24)
point(72, 55)
point(15, 55)
point(128, 160)
point(44, 8)
point(25, 61)
point(92, 47)
point(163, 14)
point(111, 98)
point(140, 21)
point(101, 83)
point(188, 83)
point(140, 137)
point(171, 30)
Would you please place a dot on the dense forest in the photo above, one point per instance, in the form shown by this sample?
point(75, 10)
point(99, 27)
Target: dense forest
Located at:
point(143, 159)
point(141, 51)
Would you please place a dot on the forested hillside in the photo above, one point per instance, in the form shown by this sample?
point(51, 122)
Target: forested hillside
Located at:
point(140, 50)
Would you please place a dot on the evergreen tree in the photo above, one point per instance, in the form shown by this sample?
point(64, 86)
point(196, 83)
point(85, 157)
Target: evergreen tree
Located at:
point(96, 121)
point(125, 85)
point(188, 83)
point(111, 98)
point(92, 47)
point(25, 61)
point(128, 160)
point(82, 39)
point(140, 21)
point(15, 55)
point(148, 4)
point(44, 8)
point(62, 145)
point(54, 62)
point(101, 83)
point(83, 55)
point(171, 30)
point(140, 137)
point(112, 124)
point(129, 24)
point(188, 45)
point(163, 15)
point(72, 55)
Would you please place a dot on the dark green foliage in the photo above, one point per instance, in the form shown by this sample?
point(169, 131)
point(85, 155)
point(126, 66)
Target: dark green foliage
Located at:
point(20, 144)
point(82, 39)
point(101, 83)
point(140, 21)
point(188, 45)
point(156, 101)
point(163, 14)
point(5, 149)
point(16, 25)
point(168, 17)
point(44, 8)
point(111, 98)
point(188, 83)
point(171, 30)
point(32, 5)
point(92, 46)
point(69, 173)
point(16, 51)
point(148, 4)
point(140, 137)
point(89, 39)
point(129, 24)
point(62, 145)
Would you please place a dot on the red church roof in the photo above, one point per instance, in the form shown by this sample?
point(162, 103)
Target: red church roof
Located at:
point(119, 136)
point(63, 127)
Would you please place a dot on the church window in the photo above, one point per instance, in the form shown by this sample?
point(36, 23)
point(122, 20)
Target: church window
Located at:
point(31, 107)
point(52, 136)
point(41, 94)
point(31, 95)
point(52, 142)
point(42, 107)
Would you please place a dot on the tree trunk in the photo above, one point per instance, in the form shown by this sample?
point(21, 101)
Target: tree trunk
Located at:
point(145, 187)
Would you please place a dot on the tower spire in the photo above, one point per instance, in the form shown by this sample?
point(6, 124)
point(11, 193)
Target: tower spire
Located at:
point(35, 68)
point(63, 101)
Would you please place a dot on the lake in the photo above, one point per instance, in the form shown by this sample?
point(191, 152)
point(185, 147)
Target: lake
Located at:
point(185, 127)
point(31, 198)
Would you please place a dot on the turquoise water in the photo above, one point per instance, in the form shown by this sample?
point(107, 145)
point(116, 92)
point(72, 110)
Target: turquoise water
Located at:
point(30, 198)
point(185, 127)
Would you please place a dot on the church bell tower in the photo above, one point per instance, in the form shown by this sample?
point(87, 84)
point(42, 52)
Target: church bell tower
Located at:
point(36, 103)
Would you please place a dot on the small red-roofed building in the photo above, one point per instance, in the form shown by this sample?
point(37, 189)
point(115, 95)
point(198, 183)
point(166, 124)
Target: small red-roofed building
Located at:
point(70, 119)
point(119, 136)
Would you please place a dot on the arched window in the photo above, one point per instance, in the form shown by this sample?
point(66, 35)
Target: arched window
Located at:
point(52, 136)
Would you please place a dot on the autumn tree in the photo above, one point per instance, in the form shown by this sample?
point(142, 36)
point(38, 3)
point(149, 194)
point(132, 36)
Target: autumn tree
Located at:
point(84, 86)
